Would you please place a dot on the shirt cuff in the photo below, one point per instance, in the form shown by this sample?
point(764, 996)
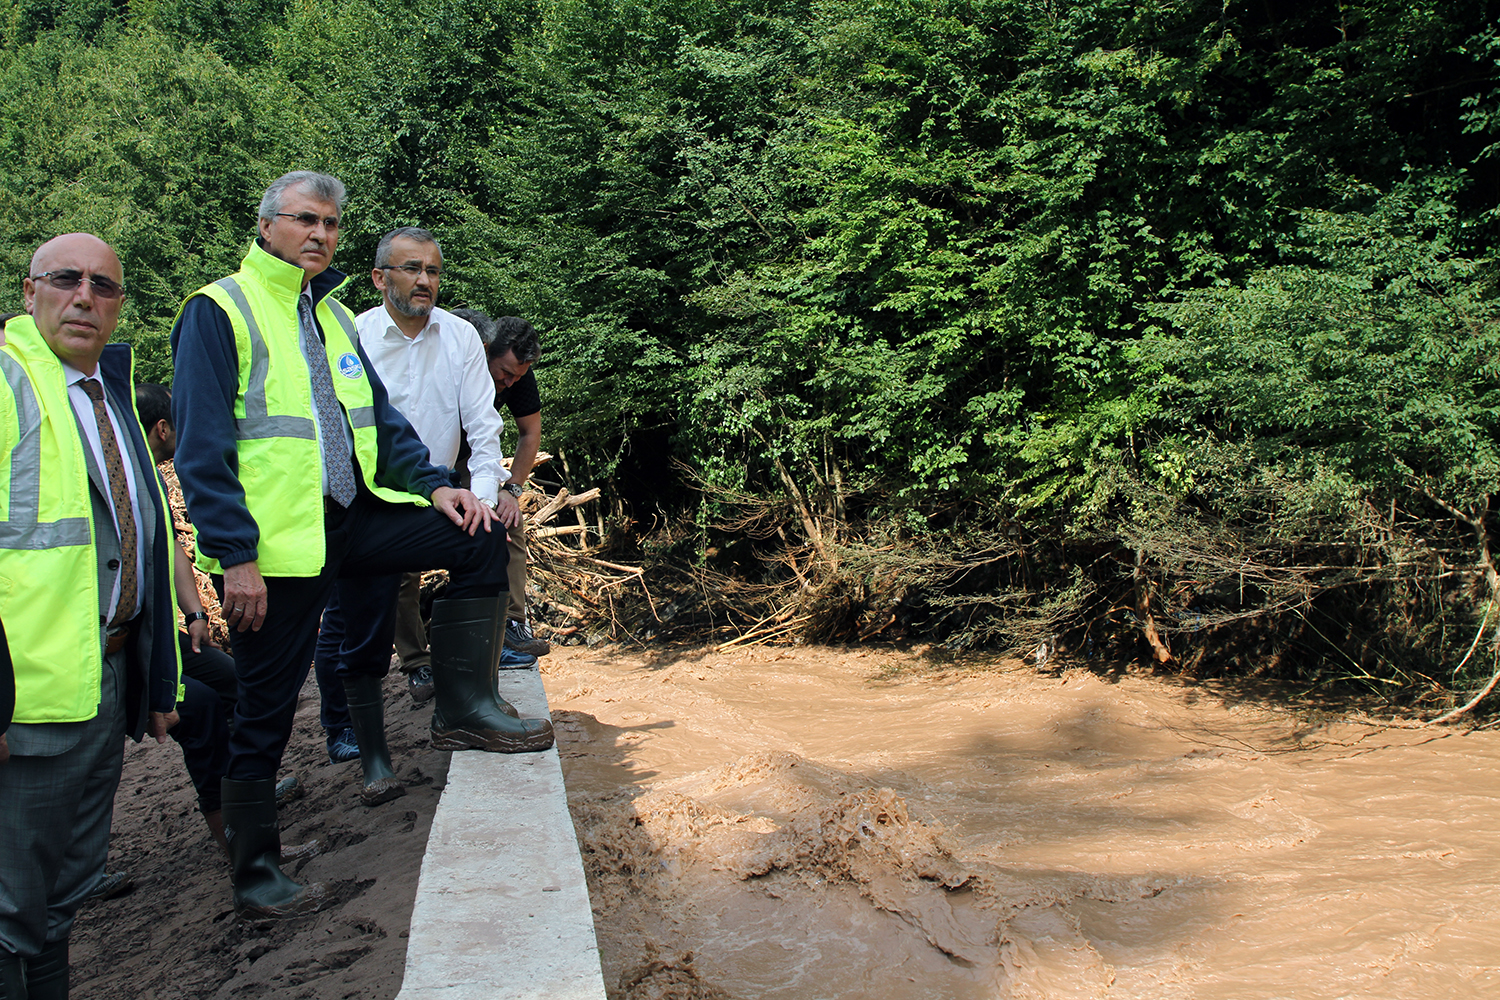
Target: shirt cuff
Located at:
point(231, 559)
point(485, 488)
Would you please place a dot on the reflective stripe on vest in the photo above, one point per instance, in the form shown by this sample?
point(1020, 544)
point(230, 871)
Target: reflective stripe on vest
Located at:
point(257, 423)
point(22, 528)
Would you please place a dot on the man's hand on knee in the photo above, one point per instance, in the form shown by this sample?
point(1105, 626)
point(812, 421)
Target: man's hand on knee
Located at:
point(463, 508)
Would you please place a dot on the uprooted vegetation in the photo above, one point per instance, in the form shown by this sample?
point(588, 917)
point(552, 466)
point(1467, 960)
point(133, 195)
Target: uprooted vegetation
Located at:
point(1386, 600)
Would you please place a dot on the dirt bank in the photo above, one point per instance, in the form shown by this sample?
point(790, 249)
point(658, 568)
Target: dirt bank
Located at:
point(813, 823)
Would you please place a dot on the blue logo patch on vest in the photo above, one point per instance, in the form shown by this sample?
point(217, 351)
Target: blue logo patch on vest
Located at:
point(350, 367)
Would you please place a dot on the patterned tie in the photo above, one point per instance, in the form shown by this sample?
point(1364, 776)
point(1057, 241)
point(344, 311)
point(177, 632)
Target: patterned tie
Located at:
point(119, 488)
point(335, 449)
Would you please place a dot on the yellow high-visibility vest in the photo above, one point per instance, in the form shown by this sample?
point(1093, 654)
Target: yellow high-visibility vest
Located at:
point(49, 571)
point(280, 465)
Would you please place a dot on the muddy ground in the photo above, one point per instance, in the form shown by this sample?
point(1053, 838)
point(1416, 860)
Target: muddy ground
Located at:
point(175, 936)
point(816, 823)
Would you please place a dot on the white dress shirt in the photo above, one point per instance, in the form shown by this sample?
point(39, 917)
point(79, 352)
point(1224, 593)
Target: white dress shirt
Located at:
point(83, 408)
point(441, 383)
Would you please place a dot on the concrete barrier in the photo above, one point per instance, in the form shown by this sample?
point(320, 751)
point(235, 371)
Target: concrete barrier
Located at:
point(502, 909)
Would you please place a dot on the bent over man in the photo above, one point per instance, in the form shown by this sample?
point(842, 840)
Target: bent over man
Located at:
point(297, 473)
point(86, 596)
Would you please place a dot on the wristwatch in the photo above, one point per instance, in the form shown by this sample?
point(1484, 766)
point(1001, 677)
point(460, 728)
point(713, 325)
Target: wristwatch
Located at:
point(514, 489)
point(188, 617)
point(487, 502)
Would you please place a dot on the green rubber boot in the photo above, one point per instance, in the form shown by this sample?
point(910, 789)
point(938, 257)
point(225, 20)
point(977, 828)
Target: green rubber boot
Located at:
point(367, 716)
point(465, 637)
point(261, 889)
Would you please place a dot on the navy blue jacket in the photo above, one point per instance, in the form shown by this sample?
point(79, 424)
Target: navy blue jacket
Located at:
point(204, 388)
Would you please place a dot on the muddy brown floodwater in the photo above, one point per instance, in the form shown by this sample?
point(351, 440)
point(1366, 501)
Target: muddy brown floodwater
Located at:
point(804, 823)
point(816, 824)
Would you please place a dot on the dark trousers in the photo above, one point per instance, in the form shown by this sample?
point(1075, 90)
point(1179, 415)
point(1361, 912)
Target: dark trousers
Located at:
point(211, 666)
point(371, 539)
point(202, 731)
point(364, 649)
point(205, 715)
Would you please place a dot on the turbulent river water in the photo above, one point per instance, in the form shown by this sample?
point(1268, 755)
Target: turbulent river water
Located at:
point(803, 823)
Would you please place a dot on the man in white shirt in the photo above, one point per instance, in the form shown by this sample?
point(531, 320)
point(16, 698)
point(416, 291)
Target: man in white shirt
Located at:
point(433, 365)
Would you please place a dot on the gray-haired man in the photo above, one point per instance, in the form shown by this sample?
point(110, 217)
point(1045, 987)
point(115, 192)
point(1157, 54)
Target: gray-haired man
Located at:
point(298, 473)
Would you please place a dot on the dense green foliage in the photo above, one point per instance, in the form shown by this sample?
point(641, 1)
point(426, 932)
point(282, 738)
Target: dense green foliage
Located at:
point(1149, 290)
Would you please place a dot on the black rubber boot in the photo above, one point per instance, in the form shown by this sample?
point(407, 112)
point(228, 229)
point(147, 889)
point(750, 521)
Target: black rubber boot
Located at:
point(505, 706)
point(367, 716)
point(12, 976)
point(47, 973)
point(465, 637)
point(261, 889)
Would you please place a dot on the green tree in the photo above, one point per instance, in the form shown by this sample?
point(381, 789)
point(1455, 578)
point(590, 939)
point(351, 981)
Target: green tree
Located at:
point(160, 150)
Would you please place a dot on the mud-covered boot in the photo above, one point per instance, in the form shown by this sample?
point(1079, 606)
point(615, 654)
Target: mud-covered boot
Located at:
point(289, 852)
point(465, 637)
point(505, 706)
point(47, 973)
point(261, 889)
point(367, 715)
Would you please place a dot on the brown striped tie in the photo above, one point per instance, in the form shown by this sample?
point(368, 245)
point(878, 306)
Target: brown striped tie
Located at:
point(119, 488)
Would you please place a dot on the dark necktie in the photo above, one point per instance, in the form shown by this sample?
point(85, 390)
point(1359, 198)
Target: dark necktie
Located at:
point(335, 448)
point(119, 489)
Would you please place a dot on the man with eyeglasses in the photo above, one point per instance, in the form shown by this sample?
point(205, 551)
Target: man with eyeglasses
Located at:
point(298, 473)
point(86, 596)
point(432, 364)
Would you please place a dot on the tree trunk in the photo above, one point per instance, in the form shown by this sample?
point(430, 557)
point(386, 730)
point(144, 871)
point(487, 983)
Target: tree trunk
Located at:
point(1159, 650)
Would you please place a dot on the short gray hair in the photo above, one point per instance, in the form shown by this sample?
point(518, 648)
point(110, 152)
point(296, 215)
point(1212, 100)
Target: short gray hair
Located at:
point(323, 187)
point(481, 323)
point(413, 233)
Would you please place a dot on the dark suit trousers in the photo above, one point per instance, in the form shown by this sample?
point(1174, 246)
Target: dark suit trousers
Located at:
point(348, 652)
point(55, 812)
point(212, 666)
point(371, 539)
point(203, 733)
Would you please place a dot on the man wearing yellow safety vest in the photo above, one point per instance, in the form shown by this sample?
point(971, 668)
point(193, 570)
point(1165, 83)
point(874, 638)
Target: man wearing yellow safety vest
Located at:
point(86, 596)
point(297, 472)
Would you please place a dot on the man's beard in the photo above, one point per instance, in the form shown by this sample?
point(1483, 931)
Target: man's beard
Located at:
point(406, 307)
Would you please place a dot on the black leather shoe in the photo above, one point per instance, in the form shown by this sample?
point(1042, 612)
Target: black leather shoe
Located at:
point(518, 636)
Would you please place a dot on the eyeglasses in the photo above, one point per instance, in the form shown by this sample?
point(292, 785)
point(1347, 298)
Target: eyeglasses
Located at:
point(309, 219)
point(412, 269)
point(66, 281)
